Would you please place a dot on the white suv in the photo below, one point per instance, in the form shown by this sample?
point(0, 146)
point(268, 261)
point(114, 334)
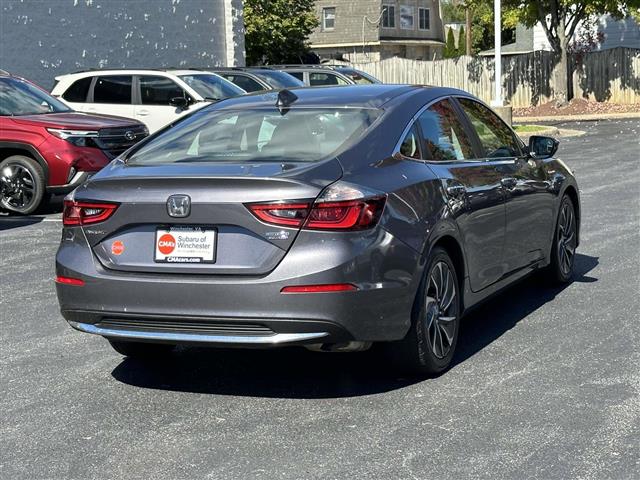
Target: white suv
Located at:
point(154, 97)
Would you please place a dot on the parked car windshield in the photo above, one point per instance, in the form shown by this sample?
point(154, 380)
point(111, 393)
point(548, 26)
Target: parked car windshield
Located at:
point(18, 97)
point(259, 134)
point(279, 79)
point(211, 86)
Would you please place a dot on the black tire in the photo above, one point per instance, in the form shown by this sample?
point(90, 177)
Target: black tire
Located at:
point(141, 350)
point(563, 245)
point(421, 351)
point(24, 188)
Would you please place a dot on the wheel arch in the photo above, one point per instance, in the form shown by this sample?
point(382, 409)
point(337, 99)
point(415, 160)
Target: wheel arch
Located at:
point(8, 149)
point(572, 193)
point(452, 245)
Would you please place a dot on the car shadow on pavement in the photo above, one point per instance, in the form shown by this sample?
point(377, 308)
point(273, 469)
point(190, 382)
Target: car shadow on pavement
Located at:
point(9, 220)
point(298, 373)
point(500, 314)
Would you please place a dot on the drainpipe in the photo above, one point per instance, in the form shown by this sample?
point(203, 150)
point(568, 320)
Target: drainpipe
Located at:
point(504, 111)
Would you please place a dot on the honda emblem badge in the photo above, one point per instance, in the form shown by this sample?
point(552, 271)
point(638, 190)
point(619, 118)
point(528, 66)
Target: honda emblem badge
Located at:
point(179, 206)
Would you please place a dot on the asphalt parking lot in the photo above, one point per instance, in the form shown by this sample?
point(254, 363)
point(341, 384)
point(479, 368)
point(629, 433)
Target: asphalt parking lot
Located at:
point(546, 382)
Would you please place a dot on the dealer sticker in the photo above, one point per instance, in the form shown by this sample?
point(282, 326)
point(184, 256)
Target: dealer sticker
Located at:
point(185, 245)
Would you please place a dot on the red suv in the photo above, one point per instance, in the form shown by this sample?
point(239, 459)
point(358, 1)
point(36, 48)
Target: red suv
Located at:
point(46, 148)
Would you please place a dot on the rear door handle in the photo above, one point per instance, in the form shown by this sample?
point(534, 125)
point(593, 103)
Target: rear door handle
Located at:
point(509, 182)
point(143, 113)
point(456, 190)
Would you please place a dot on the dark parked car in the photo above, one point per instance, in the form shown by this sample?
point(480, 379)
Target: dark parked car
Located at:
point(46, 147)
point(325, 217)
point(258, 78)
point(316, 75)
point(357, 76)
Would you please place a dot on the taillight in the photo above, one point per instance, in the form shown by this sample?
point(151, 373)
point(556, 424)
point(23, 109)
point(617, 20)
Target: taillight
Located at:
point(285, 214)
point(86, 213)
point(341, 207)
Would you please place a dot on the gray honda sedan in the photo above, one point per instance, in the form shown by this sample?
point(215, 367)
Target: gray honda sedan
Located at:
point(331, 218)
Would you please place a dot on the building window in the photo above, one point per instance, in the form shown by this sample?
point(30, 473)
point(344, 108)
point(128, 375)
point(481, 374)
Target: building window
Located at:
point(328, 18)
point(424, 22)
point(388, 16)
point(406, 17)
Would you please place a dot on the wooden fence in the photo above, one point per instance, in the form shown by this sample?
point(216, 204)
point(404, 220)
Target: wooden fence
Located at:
point(610, 75)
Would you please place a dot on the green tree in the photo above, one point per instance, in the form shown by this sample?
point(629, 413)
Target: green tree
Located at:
point(450, 50)
point(276, 31)
point(462, 42)
point(559, 19)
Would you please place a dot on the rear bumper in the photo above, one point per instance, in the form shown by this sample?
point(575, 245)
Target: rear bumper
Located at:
point(249, 310)
point(197, 338)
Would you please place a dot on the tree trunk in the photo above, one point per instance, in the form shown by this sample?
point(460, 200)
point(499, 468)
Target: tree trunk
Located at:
point(467, 12)
point(561, 69)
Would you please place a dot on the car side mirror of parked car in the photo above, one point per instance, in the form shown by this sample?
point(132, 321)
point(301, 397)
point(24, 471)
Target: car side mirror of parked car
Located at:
point(542, 147)
point(179, 102)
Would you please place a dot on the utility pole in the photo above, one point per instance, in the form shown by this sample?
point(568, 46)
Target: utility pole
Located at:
point(467, 12)
point(497, 29)
point(505, 111)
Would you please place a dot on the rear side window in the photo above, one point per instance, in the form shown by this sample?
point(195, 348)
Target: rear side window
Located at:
point(298, 75)
point(444, 136)
point(497, 140)
point(244, 82)
point(320, 78)
point(156, 90)
point(113, 89)
point(78, 90)
point(409, 146)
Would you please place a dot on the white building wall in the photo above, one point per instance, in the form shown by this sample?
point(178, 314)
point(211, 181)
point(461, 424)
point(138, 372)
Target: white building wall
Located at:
point(617, 33)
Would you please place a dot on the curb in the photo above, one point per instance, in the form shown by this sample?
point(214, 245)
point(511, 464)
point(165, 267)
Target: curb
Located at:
point(578, 118)
point(552, 132)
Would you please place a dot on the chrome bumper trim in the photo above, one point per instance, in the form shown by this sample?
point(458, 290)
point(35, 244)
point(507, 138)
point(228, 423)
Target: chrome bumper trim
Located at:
point(276, 339)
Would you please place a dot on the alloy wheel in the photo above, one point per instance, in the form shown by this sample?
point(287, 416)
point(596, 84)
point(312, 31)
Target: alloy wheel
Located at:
point(17, 187)
point(566, 241)
point(440, 310)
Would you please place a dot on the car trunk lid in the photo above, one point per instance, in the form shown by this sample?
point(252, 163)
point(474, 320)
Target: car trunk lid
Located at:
point(235, 241)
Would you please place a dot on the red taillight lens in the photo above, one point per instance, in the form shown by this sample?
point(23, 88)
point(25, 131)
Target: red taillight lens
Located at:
point(76, 282)
point(326, 288)
point(86, 213)
point(340, 215)
point(347, 215)
point(285, 214)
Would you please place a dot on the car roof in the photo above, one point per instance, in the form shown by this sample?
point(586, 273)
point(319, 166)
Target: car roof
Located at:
point(363, 96)
point(135, 71)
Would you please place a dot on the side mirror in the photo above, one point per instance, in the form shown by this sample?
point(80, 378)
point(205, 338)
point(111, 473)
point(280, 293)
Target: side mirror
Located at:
point(542, 147)
point(179, 102)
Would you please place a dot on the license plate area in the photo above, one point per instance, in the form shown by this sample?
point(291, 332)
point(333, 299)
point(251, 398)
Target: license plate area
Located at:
point(185, 244)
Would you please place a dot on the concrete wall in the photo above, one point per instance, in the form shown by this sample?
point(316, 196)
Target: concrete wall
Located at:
point(42, 39)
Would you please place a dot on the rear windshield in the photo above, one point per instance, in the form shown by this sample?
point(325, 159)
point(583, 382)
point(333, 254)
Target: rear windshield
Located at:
point(212, 87)
point(279, 79)
point(255, 135)
point(357, 76)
